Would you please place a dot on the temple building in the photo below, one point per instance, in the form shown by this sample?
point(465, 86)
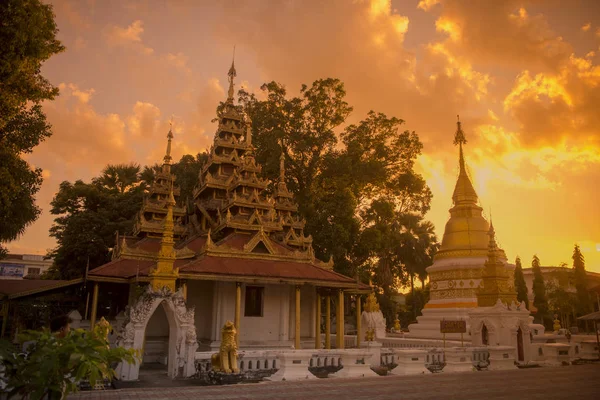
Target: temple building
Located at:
point(238, 255)
point(456, 273)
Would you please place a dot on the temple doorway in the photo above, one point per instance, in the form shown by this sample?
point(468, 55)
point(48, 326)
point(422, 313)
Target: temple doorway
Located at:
point(156, 343)
point(484, 335)
point(521, 356)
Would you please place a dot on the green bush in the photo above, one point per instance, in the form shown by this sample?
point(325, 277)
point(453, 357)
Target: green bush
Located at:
point(54, 366)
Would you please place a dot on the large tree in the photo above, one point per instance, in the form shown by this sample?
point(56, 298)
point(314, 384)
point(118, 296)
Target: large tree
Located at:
point(89, 214)
point(540, 302)
point(583, 304)
point(356, 186)
point(27, 38)
point(520, 285)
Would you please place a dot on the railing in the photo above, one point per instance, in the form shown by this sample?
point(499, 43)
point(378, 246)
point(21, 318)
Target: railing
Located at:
point(267, 360)
point(395, 342)
point(349, 340)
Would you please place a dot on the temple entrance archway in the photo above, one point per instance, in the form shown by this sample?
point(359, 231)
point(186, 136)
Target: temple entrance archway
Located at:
point(182, 344)
point(485, 336)
point(156, 341)
point(520, 352)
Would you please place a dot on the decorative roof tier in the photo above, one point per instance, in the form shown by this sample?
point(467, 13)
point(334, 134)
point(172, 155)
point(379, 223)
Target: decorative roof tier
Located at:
point(231, 195)
point(466, 232)
point(496, 282)
point(149, 221)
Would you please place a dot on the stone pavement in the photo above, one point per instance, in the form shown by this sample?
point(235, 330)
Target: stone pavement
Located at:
point(571, 382)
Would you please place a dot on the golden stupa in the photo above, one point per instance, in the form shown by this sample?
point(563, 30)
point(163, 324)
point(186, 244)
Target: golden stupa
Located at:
point(458, 267)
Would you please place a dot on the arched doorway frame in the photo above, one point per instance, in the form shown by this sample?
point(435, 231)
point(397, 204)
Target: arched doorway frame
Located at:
point(182, 332)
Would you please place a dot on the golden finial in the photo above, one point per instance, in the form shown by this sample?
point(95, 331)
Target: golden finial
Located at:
point(371, 304)
point(232, 74)
point(168, 158)
point(459, 136)
point(282, 166)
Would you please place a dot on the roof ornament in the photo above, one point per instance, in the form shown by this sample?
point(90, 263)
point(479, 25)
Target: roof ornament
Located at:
point(167, 159)
point(232, 74)
point(463, 191)
point(282, 166)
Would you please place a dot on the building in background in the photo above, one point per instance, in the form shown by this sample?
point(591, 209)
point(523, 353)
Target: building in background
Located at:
point(563, 277)
point(19, 266)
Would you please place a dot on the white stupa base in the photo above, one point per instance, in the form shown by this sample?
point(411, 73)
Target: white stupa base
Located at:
point(428, 325)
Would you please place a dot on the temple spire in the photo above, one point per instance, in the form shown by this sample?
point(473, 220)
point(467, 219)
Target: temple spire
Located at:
point(165, 274)
point(463, 191)
point(232, 74)
point(167, 159)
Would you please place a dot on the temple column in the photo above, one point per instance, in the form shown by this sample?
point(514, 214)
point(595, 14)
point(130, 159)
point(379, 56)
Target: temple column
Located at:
point(358, 319)
point(340, 320)
point(297, 326)
point(184, 289)
point(328, 322)
point(238, 307)
point(318, 322)
point(94, 306)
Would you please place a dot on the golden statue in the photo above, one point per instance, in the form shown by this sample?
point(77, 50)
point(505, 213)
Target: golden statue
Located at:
point(370, 335)
point(102, 329)
point(397, 325)
point(371, 304)
point(226, 359)
point(556, 325)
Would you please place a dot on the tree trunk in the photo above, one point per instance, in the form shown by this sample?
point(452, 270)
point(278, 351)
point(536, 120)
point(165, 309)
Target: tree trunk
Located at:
point(412, 295)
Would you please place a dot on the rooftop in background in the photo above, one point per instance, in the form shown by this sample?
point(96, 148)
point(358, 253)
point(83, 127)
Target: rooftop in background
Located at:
point(19, 266)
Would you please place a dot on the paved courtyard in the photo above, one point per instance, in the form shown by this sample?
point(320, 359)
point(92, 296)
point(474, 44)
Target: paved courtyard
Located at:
point(572, 382)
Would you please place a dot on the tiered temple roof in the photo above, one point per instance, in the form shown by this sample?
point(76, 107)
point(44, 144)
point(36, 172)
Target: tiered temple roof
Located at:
point(150, 219)
point(235, 230)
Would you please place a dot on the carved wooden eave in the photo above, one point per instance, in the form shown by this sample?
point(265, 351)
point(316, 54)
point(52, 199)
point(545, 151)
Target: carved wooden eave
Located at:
point(260, 236)
point(325, 265)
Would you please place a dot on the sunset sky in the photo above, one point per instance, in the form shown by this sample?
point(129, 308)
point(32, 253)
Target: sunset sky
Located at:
point(523, 75)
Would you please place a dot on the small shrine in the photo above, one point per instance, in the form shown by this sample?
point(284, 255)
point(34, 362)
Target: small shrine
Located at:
point(499, 320)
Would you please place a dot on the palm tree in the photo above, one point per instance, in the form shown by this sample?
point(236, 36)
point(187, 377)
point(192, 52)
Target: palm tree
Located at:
point(120, 177)
point(416, 249)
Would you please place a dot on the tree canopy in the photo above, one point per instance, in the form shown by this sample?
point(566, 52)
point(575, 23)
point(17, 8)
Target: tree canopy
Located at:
point(540, 302)
point(355, 185)
point(520, 284)
point(89, 214)
point(583, 303)
point(28, 38)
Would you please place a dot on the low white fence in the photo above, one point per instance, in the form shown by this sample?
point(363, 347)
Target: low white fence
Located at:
point(259, 360)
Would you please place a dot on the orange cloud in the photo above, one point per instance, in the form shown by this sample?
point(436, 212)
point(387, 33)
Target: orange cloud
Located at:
point(129, 36)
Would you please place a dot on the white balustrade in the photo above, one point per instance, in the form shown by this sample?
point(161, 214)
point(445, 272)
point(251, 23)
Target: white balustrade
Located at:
point(458, 359)
point(589, 350)
point(556, 354)
point(502, 357)
point(355, 364)
point(293, 365)
point(410, 362)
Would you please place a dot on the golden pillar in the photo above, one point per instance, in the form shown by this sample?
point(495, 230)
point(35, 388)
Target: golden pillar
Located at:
point(238, 307)
point(184, 290)
point(340, 320)
point(318, 322)
point(328, 322)
point(358, 316)
point(297, 335)
point(94, 306)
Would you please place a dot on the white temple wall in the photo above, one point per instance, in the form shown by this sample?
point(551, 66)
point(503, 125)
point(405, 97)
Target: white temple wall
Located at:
point(274, 325)
point(200, 295)
point(269, 326)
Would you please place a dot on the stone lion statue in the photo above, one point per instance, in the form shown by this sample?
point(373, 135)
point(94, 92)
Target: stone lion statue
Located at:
point(226, 359)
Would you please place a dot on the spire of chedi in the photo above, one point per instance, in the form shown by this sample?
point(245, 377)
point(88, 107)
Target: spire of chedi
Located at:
point(466, 232)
